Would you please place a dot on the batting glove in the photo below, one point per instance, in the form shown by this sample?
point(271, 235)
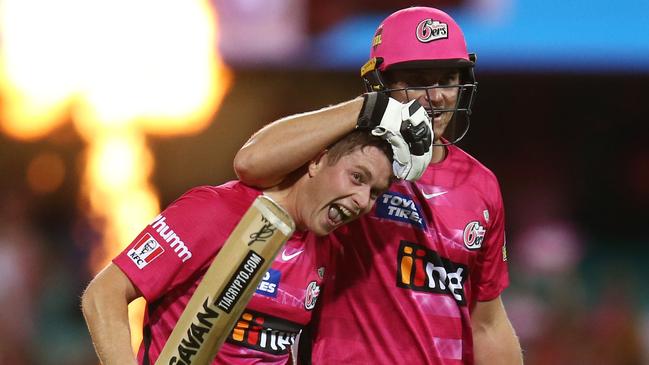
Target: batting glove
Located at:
point(407, 127)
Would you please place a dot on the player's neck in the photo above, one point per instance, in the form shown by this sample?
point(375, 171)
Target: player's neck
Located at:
point(439, 153)
point(286, 197)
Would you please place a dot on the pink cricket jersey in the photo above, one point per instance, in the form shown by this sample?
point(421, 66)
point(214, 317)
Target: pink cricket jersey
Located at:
point(167, 260)
point(409, 273)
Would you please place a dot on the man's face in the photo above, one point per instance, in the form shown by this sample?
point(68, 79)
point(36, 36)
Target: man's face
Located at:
point(443, 95)
point(339, 193)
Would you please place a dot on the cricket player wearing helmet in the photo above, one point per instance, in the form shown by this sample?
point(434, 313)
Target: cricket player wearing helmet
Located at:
point(419, 279)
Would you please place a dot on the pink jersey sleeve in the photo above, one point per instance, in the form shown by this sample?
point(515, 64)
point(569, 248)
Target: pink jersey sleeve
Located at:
point(178, 242)
point(491, 272)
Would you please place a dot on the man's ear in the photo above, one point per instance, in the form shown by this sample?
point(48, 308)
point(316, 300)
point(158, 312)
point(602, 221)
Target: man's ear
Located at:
point(316, 163)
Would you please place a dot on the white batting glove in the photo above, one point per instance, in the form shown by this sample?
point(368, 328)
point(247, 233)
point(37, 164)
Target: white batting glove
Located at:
point(406, 127)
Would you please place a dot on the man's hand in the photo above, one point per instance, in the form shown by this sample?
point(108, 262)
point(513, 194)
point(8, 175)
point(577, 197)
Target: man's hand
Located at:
point(406, 127)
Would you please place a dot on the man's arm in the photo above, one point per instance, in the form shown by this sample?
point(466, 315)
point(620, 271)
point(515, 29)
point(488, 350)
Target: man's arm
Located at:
point(494, 340)
point(288, 143)
point(105, 308)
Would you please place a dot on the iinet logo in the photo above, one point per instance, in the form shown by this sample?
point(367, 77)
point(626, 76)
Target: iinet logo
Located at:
point(264, 333)
point(422, 269)
point(171, 238)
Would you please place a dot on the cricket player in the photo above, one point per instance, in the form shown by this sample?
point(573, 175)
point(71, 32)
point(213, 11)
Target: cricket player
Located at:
point(419, 279)
point(166, 261)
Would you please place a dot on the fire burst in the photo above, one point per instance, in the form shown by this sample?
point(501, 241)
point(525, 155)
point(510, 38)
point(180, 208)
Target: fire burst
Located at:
point(119, 70)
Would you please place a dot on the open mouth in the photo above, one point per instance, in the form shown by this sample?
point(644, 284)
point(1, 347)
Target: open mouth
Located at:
point(338, 214)
point(434, 114)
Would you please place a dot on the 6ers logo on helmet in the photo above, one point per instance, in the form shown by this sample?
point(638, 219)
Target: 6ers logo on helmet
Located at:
point(430, 30)
point(473, 235)
point(145, 250)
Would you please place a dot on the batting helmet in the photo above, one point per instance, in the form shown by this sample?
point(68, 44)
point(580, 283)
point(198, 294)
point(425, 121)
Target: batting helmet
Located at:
point(421, 38)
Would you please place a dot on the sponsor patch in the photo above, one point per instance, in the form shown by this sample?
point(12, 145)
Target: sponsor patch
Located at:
point(321, 272)
point(399, 207)
point(429, 30)
point(145, 250)
point(264, 333)
point(311, 296)
point(474, 235)
point(174, 240)
point(269, 283)
point(422, 269)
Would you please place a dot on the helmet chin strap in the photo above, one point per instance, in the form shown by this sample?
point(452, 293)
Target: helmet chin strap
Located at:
point(372, 76)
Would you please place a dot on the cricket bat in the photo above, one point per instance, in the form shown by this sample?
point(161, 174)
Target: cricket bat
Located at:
point(228, 285)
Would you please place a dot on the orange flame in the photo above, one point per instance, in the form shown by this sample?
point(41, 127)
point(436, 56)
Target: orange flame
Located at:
point(119, 70)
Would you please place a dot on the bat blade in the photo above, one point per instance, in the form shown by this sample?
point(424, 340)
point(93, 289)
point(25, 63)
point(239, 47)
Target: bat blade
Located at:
point(228, 285)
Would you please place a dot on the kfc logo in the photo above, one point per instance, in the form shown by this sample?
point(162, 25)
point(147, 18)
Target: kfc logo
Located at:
point(145, 250)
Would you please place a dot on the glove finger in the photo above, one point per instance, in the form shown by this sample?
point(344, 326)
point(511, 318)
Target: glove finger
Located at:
point(379, 131)
point(400, 171)
point(400, 148)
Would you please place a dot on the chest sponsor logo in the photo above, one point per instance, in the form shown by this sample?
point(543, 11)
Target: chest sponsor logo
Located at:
point(145, 250)
point(174, 241)
point(264, 333)
point(399, 207)
point(311, 296)
point(474, 234)
point(269, 283)
point(422, 269)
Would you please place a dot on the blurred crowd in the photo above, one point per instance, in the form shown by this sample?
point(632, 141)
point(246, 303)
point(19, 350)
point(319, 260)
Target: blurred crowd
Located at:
point(43, 274)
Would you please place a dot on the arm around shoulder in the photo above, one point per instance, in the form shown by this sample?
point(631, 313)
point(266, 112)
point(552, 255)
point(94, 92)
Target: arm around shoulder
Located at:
point(494, 339)
point(105, 309)
point(285, 145)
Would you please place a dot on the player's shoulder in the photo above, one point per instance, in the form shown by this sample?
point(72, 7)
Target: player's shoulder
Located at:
point(475, 174)
point(233, 194)
point(457, 155)
point(460, 171)
point(229, 188)
point(461, 160)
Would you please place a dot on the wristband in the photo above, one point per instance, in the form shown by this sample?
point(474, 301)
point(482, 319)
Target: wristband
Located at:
point(371, 114)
